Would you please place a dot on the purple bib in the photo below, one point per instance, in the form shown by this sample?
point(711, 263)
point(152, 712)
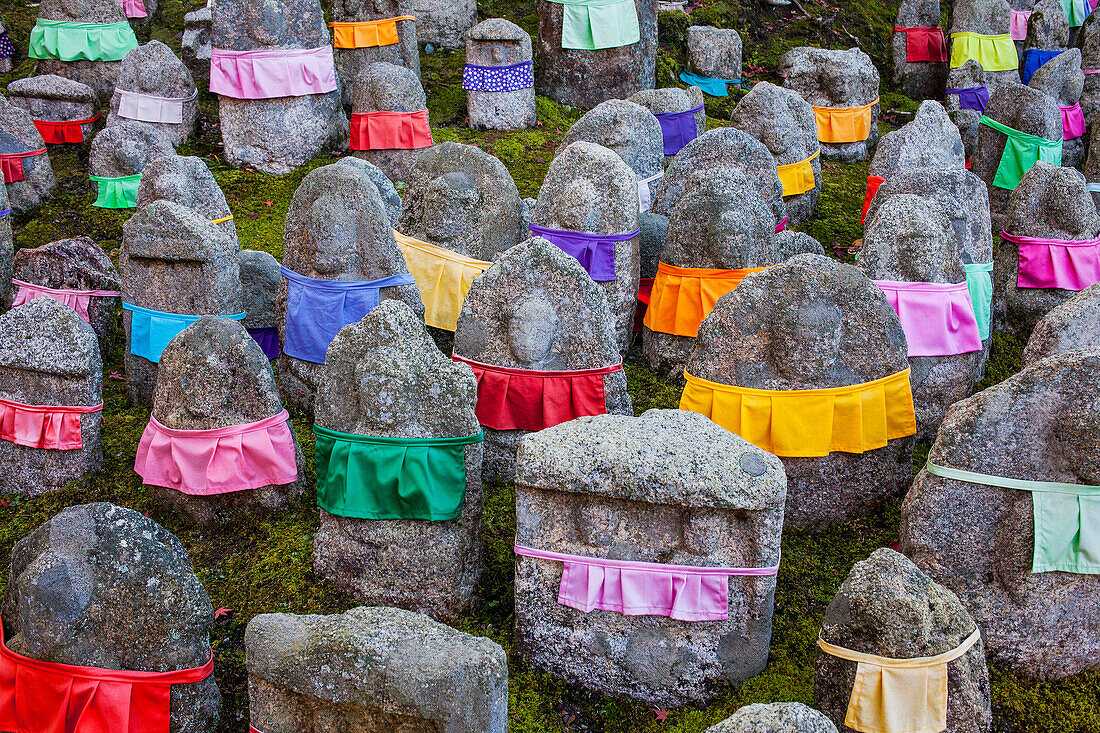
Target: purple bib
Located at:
point(595, 252)
point(498, 78)
point(678, 128)
point(976, 98)
point(268, 339)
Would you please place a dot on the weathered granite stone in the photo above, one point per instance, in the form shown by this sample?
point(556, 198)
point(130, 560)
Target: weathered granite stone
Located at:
point(55, 98)
point(277, 135)
point(888, 607)
point(99, 585)
point(187, 181)
point(714, 52)
point(174, 260)
point(195, 46)
point(919, 79)
point(812, 323)
point(1048, 27)
point(49, 356)
point(125, 148)
point(1053, 203)
point(1074, 324)
point(259, 283)
point(336, 229)
point(785, 123)
point(383, 87)
point(911, 239)
point(1062, 78)
point(719, 223)
point(461, 198)
point(499, 42)
point(385, 376)
point(583, 79)
point(1089, 43)
point(1091, 169)
point(724, 147)
point(1021, 108)
point(672, 99)
point(833, 78)
point(626, 488)
point(987, 18)
point(351, 61)
point(154, 70)
point(537, 308)
point(776, 717)
point(76, 263)
point(7, 247)
point(789, 243)
point(99, 75)
point(967, 76)
point(391, 200)
point(931, 140)
point(19, 135)
point(1040, 425)
point(589, 188)
point(443, 23)
point(373, 669)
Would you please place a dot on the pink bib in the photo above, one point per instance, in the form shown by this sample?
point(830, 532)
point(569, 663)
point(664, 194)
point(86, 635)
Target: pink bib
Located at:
point(681, 592)
point(78, 300)
point(270, 73)
point(1018, 24)
point(220, 460)
point(52, 427)
point(1073, 122)
point(1056, 263)
point(938, 318)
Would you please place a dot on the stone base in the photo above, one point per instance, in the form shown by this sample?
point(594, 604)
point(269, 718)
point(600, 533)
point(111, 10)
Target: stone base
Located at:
point(501, 110)
point(396, 164)
point(276, 136)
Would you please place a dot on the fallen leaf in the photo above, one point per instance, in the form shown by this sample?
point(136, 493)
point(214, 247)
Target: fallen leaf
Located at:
point(222, 612)
point(269, 203)
point(661, 714)
point(116, 375)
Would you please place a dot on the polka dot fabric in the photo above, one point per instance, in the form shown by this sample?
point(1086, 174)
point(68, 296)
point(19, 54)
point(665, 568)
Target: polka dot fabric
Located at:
point(6, 49)
point(498, 78)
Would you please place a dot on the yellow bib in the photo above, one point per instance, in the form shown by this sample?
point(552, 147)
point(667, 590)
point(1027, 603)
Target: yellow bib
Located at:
point(798, 177)
point(899, 695)
point(443, 278)
point(809, 423)
point(368, 33)
point(844, 124)
point(994, 53)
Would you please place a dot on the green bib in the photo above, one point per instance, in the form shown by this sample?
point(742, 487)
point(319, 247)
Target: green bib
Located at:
point(372, 477)
point(116, 193)
point(1067, 519)
point(1022, 151)
point(590, 25)
point(70, 41)
point(980, 284)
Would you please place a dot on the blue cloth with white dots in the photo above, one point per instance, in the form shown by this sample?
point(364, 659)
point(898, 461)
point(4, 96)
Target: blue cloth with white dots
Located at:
point(498, 78)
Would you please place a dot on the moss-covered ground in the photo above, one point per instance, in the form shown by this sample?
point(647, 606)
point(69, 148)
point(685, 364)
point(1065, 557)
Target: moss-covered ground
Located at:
point(264, 564)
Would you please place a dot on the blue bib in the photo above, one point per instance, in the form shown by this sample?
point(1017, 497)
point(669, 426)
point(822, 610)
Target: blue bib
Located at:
point(150, 330)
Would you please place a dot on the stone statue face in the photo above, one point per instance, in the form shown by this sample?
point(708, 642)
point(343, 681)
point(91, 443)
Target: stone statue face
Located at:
point(807, 340)
point(730, 231)
point(266, 22)
point(578, 206)
point(956, 214)
point(450, 207)
point(532, 328)
point(705, 54)
point(505, 52)
point(331, 235)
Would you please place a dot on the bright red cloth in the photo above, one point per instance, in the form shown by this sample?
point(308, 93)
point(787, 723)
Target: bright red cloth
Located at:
point(65, 131)
point(645, 288)
point(924, 44)
point(873, 182)
point(390, 130)
point(526, 399)
point(42, 426)
point(47, 697)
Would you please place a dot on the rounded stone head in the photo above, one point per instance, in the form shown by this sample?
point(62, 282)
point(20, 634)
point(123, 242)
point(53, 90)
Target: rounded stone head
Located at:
point(1061, 78)
point(714, 52)
point(125, 148)
point(588, 189)
point(626, 127)
point(781, 119)
point(387, 87)
point(831, 78)
point(497, 42)
point(911, 239)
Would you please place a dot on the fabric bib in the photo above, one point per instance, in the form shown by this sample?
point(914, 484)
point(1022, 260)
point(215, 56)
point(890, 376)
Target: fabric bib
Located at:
point(873, 184)
point(710, 85)
point(116, 193)
point(219, 460)
point(645, 196)
point(1068, 264)
point(938, 319)
point(11, 164)
point(1021, 153)
point(150, 330)
point(899, 695)
point(78, 300)
point(510, 78)
point(678, 128)
point(368, 33)
point(59, 132)
point(809, 423)
point(595, 252)
point(51, 427)
point(682, 297)
point(7, 50)
point(632, 588)
point(267, 74)
point(1034, 58)
point(149, 108)
point(976, 98)
point(923, 44)
point(798, 177)
point(1076, 11)
point(1018, 24)
point(390, 130)
point(442, 276)
point(844, 124)
point(1073, 122)
point(528, 399)
point(316, 310)
point(594, 24)
point(980, 284)
point(376, 477)
point(134, 9)
point(268, 339)
point(69, 41)
point(994, 53)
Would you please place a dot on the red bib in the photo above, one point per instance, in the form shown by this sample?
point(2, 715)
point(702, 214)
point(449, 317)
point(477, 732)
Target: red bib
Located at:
point(390, 130)
point(873, 182)
point(924, 44)
point(66, 131)
point(12, 164)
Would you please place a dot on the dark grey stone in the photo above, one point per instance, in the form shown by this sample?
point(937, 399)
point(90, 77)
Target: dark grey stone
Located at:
point(919, 79)
point(988, 18)
point(931, 140)
point(789, 243)
point(7, 247)
point(155, 71)
point(125, 148)
point(19, 135)
point(384, 87)
point(55, 98)
point(1089, 43)
point(443, 23)
point(259, 283)
point(967, 76)
point(196, 46)
point(499, 42)
point(1047, 28)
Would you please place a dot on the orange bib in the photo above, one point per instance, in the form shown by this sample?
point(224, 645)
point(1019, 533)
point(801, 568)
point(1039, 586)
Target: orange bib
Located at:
point(844, 124)
point(366, 34)
point(683, 296)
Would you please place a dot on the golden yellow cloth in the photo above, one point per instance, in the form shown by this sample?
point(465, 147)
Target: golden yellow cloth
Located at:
point(683, 296)
point(798, 177)
point(844, 124)
point(367, 33)
point(443, 278)
point(809, 423)
point(899, 695)
point(222, 220)
point(994, 53)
